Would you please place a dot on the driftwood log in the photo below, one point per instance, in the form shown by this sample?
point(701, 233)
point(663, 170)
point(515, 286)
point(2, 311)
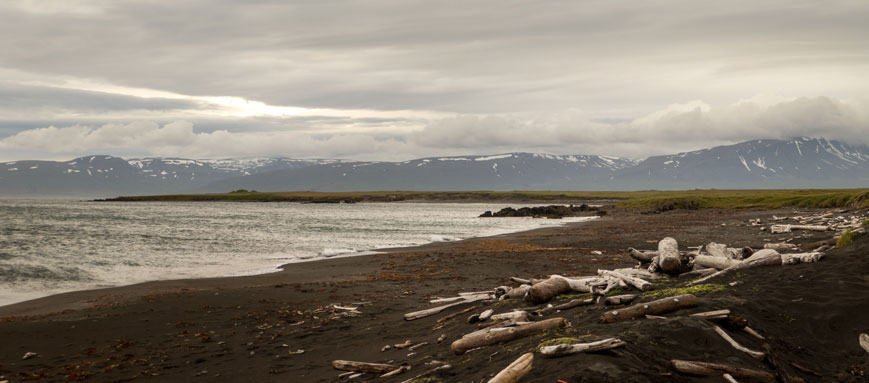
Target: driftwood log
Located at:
point(659, 306)
point(517, 293)
point(570, 349)
point(515, 370)
point(460, 346)
point(548, 289)
point(643, 256)
point(634, 282)
point(714, 369)
point(765, 257)
point(715, 262)
point(376, 368)
point(795, 259)
point(512, 315)
point(619, 299)
point(669, 260)
point(712, 315)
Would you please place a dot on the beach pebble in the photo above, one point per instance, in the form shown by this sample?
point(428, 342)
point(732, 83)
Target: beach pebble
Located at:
point(28, 355)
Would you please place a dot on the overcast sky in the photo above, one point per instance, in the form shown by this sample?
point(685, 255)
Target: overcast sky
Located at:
point(401, 79)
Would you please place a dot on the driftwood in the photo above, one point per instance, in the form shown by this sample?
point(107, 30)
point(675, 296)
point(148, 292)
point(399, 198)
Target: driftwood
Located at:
point(584, 284)
point(460, 346)
point(397, 371)
point(713, 315)
point(437, 369)
point(729, 378)
point(517, 293)
point(669, 260)
point(641, 255)
point(377, 368)
point(701, 272)
point(750, 331)
point(619, 299)
point(788, 228)
point(864, 341)
point(721, 250)
point(715, 262)
point(634, 282)
point(435, 310)
point(564, 306)
point(754, 354)
point(795, 259)
point(780, 246)
point(457, 313)
point(570, 349)
point(513, 315)
point(548, 289)
point(640, 273)
point(765, 257)
point(486, 314)
point(659, 306)
point(815, 245)
point(515, 370)
point(521, 281)
point(714, 369)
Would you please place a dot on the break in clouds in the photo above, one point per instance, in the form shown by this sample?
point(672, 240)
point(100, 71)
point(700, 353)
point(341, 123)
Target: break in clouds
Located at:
point(399, 79)
point(679, 127)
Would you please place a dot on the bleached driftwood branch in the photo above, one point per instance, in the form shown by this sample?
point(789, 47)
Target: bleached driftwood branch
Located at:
point(515, 370)
point(713, 369)
point(754, 354)
point(570, 349)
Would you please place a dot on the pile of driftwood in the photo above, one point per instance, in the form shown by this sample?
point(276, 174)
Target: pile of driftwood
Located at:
point(667, 261)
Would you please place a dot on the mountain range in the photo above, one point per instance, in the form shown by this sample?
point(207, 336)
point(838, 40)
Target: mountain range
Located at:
point(794, 163)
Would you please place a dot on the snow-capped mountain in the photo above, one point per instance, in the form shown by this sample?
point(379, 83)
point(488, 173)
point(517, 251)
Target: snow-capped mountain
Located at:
point(796, 163)
point(512, 171)
point(111, 176)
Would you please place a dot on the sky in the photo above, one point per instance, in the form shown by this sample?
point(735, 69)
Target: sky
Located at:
point(403, 79)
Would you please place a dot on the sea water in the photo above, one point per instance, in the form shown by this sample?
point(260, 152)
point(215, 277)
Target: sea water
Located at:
point(48, 247)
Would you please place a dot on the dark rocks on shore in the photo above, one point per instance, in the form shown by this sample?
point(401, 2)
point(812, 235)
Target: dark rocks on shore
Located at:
point(551, 211)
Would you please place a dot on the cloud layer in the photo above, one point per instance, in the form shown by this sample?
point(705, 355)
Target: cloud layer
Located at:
point(393, 78)
point(679, 127)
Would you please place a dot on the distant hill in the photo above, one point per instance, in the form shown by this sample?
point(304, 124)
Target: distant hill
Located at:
point(796, 163)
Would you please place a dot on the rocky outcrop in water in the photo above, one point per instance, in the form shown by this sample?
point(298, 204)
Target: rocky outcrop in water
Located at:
point(551, 211)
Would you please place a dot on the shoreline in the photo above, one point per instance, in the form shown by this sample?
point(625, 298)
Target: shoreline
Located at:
point(290, 326)
point(82, 299)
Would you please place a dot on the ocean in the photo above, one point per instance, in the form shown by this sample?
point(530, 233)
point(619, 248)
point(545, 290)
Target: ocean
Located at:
point(49, 247)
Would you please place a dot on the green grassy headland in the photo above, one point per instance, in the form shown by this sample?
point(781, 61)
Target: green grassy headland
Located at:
point(693, 199)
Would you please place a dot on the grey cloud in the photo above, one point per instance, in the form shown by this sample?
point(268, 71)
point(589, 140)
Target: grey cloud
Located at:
point(487, 56)
point(25, 97)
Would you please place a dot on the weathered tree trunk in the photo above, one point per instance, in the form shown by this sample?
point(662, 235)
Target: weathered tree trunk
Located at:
point(570, 349)
point(643, 256)
point(637, 283)
point(780, 246)
point(669, 259)
point(714, 369)
point(521, 281)
point(715, 262)
point(465, 344)
point(718, 250)
point(659, 306)
point(548, 289)
point(377, 368)
point(515, 370)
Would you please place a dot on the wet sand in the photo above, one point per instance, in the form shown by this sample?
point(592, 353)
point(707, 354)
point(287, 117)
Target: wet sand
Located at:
point(282, 327)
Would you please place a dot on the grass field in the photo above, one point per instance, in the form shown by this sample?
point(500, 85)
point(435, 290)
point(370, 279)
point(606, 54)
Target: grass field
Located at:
point(816, 198)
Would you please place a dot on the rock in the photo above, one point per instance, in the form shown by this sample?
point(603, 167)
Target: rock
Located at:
point(551, 211)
